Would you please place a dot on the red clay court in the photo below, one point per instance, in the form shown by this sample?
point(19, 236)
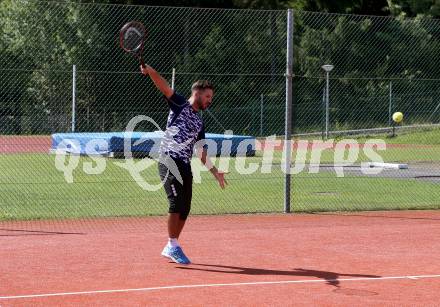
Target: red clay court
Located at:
point(372, 259)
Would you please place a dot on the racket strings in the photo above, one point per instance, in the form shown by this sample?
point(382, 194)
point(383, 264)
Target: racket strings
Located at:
point(133, 37)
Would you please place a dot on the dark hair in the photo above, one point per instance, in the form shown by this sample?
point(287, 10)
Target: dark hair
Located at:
point(202, 85)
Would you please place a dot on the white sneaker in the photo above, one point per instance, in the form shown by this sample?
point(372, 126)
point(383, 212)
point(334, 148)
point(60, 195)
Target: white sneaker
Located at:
point(166, 252)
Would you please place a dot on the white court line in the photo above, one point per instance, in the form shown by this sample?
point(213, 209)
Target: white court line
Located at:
point(304, 281)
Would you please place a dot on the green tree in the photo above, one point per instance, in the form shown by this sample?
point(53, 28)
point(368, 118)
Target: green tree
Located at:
point(43, 40)
point(411, 8)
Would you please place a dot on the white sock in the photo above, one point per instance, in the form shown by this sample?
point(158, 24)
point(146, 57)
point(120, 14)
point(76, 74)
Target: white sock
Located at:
point(172, 242)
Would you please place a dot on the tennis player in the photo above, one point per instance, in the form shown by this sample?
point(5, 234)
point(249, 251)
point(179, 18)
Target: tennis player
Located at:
point(184, 128)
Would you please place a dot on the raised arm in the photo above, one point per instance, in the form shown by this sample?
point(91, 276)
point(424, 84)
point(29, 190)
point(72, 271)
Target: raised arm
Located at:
point(161, 84)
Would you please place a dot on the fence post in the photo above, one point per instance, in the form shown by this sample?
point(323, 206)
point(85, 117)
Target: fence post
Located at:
point(327, 105)
point(173, 78)
point(390, 106)
point(288, 122)
point(73, 97)
point(327, 68)
point(323, 120)
point(261, 113)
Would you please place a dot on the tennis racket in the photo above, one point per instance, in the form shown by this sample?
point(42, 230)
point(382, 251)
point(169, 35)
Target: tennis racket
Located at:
point(132, 38)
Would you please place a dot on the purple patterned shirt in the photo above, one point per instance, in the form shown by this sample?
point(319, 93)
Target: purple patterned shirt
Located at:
point(184, 128)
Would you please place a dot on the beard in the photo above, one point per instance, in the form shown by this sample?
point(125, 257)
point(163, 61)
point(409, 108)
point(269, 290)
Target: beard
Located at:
point(200, 104)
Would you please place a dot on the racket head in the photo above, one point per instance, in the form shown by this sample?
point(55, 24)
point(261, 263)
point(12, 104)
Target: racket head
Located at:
point(132, 37)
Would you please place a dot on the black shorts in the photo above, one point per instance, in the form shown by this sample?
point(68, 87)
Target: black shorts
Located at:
point(179, 195)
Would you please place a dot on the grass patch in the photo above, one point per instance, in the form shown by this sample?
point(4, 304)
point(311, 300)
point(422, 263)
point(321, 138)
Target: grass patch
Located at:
point(32, 188)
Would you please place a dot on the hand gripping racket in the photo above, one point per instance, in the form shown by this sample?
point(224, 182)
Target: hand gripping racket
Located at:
point(132, 38)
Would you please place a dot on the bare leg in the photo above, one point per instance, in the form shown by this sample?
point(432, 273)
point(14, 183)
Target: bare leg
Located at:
point(175, 225)
point(171, 250)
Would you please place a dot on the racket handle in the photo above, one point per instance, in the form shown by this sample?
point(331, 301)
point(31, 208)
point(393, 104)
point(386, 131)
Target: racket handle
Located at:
point(142, 62)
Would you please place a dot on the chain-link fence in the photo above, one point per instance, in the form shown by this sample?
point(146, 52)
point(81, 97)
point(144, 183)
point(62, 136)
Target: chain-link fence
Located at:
point(381, 65)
